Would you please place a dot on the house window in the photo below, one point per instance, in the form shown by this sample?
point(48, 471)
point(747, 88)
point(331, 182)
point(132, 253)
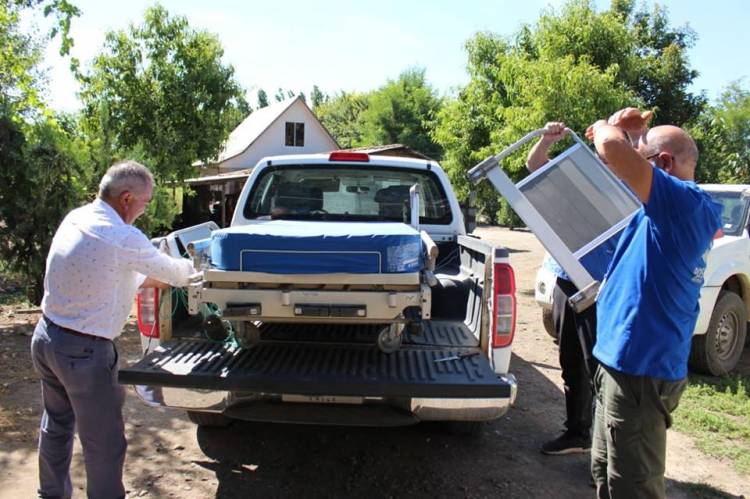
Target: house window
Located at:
point(295, 134)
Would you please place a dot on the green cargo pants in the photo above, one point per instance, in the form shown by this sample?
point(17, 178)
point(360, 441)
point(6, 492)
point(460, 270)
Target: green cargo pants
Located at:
point(630, 433)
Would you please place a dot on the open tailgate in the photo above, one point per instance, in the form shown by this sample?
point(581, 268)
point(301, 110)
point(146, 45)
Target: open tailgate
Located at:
point(314, 367)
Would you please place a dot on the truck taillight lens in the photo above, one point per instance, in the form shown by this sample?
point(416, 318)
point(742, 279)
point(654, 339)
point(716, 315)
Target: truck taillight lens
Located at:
point(349, 156)
point(504, 305)
point(147, 302)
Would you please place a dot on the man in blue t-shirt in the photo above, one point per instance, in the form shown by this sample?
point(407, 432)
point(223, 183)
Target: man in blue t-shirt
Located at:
point(648, 304)
point(576, 332)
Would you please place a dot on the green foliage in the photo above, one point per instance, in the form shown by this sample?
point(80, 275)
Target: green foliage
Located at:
point(402, 112)
point(282, 95)
point(722, 133)
point(262, 99)
point(646, 54)
point(575, 65)
point(341, 115)
point(21, 80)
point(716, 413)
point(317, 97)
point(20, 55)
point(733, 110)
point(43, 162)
point(161, 92)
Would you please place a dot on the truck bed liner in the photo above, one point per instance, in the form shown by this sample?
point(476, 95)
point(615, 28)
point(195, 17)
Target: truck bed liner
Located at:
point(310, 367)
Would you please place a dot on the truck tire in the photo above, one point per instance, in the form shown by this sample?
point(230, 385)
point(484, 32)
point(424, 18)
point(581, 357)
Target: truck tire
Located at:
point(211, 419)
point(718, 351)
point(548, 323)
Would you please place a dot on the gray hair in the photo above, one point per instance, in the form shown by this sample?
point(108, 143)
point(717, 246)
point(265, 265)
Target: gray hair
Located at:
point(123, 176)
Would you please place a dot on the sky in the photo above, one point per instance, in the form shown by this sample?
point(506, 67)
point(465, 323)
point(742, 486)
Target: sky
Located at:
point(357, 46)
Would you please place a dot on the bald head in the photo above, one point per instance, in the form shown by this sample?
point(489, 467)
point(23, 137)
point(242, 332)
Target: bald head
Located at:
point(665, 141)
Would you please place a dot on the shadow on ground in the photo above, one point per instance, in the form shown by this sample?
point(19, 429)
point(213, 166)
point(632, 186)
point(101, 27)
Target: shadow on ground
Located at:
point(417, 461)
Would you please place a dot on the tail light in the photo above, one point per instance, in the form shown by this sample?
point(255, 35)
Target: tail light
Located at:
point(147, 303)
point(349, 156)
point(504, 305)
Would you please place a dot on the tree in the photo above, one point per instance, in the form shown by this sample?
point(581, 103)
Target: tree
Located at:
point(649, 55)
point(262, 99)
point(159, 92)
point(44, 170)
point(722, 133)
point(576, 65)
point(317, 97)
point(21, 79)
point(402, 112)
point(44, 163)
point(341, 116)
point(533, 92)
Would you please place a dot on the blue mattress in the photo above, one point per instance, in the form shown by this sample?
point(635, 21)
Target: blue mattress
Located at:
point(293, 247)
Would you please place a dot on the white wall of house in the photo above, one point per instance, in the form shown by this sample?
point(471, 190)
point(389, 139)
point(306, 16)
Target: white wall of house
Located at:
point(272, 141)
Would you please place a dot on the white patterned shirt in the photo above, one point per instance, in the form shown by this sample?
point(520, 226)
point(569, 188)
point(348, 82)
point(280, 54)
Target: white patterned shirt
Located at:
point(95, 265)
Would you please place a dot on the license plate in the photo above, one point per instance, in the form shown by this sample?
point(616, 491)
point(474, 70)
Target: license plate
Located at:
point(321, 399)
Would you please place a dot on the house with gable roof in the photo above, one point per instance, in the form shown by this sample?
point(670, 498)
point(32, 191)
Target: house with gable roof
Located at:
point(286, 127)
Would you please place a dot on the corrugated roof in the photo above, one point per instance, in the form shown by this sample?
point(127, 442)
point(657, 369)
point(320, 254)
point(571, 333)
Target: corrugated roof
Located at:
point(221, 177)
point(392, 150)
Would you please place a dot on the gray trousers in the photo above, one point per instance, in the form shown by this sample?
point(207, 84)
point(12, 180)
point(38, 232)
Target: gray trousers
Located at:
point(79, 389)
point(629, 445)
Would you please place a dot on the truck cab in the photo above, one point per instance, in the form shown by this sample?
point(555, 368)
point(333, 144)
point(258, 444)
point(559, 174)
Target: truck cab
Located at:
point(456, 367)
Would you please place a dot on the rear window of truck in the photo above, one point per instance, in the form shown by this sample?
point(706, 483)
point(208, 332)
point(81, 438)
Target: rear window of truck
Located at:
point(346, 193)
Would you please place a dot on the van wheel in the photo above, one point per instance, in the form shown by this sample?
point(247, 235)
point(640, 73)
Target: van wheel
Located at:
point(718, 351)
point(211, 419)
point(548, 323)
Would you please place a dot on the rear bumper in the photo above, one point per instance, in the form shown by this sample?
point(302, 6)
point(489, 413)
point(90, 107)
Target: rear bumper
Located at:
point(331, 409)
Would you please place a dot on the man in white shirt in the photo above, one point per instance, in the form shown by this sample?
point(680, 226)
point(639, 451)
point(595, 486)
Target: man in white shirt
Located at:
point(95, 265)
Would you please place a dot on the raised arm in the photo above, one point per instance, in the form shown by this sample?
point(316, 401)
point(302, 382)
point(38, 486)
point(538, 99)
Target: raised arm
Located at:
point(616, 142)
point(538, 155)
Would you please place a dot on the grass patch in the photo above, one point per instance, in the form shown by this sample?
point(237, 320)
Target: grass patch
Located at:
point(15, 298)
point(716, 413)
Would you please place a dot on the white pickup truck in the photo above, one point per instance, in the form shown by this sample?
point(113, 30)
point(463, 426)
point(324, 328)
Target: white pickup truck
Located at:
point(720, 332)
point(454, 367)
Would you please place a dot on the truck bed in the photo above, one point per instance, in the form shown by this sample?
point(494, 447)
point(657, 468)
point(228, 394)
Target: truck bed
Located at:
point(332, 360)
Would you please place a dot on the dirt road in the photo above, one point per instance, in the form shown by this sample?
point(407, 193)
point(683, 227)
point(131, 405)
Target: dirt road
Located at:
point(169, 457)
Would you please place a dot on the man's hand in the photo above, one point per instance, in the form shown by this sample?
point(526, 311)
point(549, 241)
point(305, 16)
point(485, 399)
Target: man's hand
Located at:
point(554, 131)
point(591, 130)
point(150, 282)
point(632, 121)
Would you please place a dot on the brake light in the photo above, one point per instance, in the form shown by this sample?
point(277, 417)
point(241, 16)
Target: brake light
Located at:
point(147, 301)
point(349, 156)
point(504, 305)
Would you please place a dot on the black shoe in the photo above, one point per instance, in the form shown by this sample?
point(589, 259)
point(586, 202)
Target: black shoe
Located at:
point(567, 443)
